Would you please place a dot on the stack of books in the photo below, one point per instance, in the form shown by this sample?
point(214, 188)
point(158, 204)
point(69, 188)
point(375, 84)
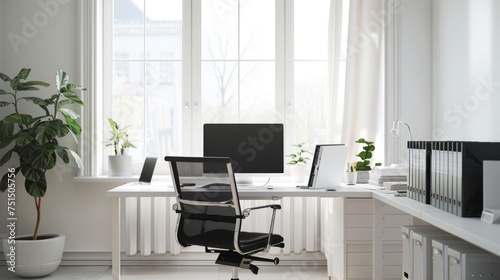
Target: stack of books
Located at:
point(390, 177)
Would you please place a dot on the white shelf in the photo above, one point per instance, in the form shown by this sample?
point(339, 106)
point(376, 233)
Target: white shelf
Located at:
point(473, 230)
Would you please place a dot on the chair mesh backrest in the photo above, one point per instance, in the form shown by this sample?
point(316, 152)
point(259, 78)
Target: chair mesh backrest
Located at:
point(200, 180)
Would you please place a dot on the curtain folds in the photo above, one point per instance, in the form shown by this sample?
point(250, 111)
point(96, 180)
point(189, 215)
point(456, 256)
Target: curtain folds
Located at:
point(360, 101)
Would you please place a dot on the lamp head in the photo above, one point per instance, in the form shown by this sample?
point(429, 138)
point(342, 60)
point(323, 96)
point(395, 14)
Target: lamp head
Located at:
point(395, 128)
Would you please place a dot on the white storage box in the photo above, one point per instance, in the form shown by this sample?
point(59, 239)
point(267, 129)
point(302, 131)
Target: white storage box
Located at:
point(421, 241)
point(407, 249)
point(440, 255)
point(470, 262)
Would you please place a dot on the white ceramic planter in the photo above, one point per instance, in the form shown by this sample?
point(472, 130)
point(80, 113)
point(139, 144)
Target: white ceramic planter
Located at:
point(298, 172)
point(120, 165)
point(35, 258)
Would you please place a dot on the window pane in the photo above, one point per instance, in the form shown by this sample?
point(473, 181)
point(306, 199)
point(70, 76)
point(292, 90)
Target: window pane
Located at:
point(128, 102)
point(312, 105)
point(257, 87)
point(128, 28)
point(257, 29)
point(219, 23)
point(219, 92)
point(163, 117)
point(311, 29)
point(164, 29)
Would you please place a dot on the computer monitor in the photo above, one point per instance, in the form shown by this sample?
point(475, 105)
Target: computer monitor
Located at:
point(254, 148)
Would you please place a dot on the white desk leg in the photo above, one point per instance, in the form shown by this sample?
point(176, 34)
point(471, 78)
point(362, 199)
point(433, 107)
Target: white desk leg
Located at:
point(115, 238)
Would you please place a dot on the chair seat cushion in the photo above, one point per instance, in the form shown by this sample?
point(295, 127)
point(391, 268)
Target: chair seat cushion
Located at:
point(223, 239)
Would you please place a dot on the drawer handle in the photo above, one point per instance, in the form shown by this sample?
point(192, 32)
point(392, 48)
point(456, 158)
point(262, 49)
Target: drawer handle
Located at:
point(418, 243)
point(455, 261)
point(405, 235)
point(437, 252)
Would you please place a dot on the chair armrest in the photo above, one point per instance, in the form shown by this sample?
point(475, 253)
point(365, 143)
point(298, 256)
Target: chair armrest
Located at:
point(275, 207)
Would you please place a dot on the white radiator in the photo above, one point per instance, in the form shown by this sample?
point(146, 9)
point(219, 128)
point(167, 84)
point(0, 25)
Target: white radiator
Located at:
point(150, 224)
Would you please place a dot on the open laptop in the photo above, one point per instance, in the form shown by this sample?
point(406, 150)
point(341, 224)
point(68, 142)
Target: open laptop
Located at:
point(328, 166)
point(147, 170)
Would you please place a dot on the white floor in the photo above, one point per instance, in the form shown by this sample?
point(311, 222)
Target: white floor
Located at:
point(213, 272)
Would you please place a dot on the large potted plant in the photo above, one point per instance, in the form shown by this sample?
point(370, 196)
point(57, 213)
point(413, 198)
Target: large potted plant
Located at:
point(120, 164)
point(33, 133)
point(363, 165)
point(298, 163)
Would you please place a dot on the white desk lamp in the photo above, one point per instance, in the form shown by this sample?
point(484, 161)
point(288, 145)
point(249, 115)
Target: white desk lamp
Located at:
point(395, 128)
point(395, 132)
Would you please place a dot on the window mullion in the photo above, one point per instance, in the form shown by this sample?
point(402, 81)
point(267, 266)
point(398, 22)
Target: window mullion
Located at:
point(192, 79)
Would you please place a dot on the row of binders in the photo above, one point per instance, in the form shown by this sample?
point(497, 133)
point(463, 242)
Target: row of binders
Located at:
point(449, 174)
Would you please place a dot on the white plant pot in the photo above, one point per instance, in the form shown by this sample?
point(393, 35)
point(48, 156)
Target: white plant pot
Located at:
point(298, 172)
point(34, 258)
point(120, 165)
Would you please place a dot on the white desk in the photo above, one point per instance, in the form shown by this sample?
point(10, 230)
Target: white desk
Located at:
point(473, 230)
point(162, 190)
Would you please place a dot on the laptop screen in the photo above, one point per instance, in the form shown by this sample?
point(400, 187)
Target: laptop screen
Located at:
point(147, 170)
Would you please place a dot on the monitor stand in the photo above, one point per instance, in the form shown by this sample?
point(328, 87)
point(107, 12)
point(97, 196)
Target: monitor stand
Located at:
point(244, 180)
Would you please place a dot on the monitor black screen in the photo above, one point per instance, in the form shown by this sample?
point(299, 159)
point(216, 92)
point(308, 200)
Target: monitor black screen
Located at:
point(253, 148)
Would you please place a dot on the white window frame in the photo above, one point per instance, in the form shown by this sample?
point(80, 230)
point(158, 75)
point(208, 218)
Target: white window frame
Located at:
point(95, 66)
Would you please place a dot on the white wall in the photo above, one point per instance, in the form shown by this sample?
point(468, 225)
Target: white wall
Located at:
point(49, 41)
point(466, 70)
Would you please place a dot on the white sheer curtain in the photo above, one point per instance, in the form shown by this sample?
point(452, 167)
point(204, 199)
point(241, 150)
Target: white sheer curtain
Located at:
point(359, 98)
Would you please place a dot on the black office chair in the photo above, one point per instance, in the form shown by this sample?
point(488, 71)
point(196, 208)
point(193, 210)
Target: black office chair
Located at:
point(210, 214)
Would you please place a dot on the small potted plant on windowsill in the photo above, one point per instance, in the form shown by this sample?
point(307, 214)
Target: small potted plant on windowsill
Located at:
point(363, 166)
point(120, 164)
point(298, 163)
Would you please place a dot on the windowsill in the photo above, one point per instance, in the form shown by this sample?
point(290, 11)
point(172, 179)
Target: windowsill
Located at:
point(260, 180)
point(113, 179)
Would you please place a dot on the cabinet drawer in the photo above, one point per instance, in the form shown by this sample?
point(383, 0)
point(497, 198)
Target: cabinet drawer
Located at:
point(391, 271)
point(388, 209)
point(359, 206)
point(359, 234)
point(392, 248)
point(357, 221)
point(359, 259)
point(359, 248)
point(394, 220)
point(391, 234)
point(357, 271)
point(392, 259)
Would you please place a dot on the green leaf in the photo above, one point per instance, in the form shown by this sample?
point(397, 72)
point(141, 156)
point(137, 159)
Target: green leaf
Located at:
point(43, 157)
point(71, 88)
point(7, 140)
point(4, 183)
point(49, 130)
point(6, 158)
point(23, 138)
point(5, 78)
point(62, 79)
point(73, 97)
point(18, 119)
point(72, 123)
point(36, 188)
point(77, 158)
point(22, 75)
point(6, 130)
point(62, 153)
point(34, 84)
point(4, 103)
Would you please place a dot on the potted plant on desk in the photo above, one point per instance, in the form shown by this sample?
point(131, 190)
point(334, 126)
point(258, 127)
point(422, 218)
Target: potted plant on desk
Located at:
point(120, 164)
point(298, 163)
point(33, 134)
point(363, 165)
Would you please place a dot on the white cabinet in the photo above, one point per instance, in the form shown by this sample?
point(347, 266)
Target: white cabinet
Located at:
point(354, 254)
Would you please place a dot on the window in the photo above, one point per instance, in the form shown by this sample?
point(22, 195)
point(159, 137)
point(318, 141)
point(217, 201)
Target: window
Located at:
point(177, 64)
